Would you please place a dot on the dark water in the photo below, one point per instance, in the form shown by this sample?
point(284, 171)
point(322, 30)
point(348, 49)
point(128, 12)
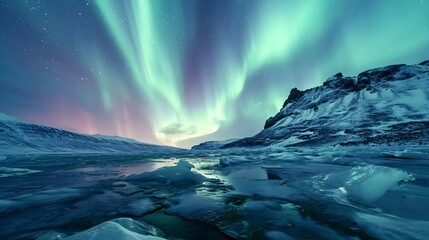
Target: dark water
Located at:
point(177, 227)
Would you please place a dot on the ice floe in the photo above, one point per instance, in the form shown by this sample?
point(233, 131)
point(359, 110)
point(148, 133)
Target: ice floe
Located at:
point(192, 206)
point(408, 154)
point(363, 183)
point(9, 172)
point(181, 174)
point(121, 228)
point(39, 198)
point(141, 207)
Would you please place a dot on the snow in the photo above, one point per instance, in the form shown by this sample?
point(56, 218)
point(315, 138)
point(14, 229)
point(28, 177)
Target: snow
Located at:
point(122, 228)
point(325, 111)
point(211, 145)
point(7, 118)
point(19, 137)
point(292, 140)
point(417, 98)
point(115, 138)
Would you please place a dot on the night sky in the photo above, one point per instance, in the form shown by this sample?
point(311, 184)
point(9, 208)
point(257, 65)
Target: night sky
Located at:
point(183, 72)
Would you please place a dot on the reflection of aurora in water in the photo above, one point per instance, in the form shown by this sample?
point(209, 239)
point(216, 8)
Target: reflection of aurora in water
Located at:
point(180, 72)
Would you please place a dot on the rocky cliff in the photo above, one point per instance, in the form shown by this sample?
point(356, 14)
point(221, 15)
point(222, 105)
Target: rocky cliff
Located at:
point(387, 105)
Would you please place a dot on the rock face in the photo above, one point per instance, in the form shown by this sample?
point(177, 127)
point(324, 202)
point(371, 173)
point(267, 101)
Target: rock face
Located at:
point(387, 105)
point(293, 96)
point(17, 136)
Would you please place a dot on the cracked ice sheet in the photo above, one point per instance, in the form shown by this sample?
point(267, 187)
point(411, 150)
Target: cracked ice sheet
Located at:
point(39, 198)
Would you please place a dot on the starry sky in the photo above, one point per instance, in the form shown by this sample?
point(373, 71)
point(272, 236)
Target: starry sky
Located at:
point(182, 72)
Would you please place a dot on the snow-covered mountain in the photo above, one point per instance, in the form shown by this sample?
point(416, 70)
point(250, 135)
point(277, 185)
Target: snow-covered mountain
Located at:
point(387, 105)
point(211, 145)
point(17, 136)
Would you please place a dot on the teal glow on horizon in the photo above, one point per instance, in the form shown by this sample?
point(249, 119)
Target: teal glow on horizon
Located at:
point(182, 72)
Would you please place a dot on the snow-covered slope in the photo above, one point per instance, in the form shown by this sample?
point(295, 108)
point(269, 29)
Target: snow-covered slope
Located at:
point(387, 105)
point(211, 145)
point(17, 136)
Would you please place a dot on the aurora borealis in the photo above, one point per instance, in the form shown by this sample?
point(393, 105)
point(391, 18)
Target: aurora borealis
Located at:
point(183, 72)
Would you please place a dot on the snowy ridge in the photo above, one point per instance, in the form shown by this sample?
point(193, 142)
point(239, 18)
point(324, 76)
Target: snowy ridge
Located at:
point(211, 145)
point(7, 118)
point(17, 136)
point(115, 138)
point(380, 106)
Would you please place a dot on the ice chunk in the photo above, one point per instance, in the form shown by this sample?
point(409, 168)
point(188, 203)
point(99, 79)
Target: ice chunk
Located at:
point(51, 235)
point(225, 161)
point(250, 173)
point(39, 198)
point(127, 189)
point(119, 184)
point(267, 188)
point(383, 226)
point(163, 193)
point(276, 235)
point(292, 140)
point(410, 202)
point(258, 206)
point(9, 172)
point(364, 184)
point(181, 174)
point(121, 228)
point(141, 207)
point(272, 167)
point(192, 206)
point(238, 230)
point(408, 154)
point(289, 221)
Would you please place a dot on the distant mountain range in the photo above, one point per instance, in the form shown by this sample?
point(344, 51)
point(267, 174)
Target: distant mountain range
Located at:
point(17, 136)
point(209, 145)
point(387, 105)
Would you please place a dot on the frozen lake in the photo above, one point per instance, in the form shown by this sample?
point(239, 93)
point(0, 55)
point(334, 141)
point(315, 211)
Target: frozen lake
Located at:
point(266, 193)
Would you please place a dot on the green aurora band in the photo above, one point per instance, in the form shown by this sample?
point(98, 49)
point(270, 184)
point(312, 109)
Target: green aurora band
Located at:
point(154, 51)
point(182, 72)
